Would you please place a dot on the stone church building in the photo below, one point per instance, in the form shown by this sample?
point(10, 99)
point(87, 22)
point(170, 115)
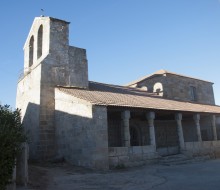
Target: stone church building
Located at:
point(100, 125)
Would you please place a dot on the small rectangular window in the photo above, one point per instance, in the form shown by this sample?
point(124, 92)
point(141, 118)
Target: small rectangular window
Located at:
point(193, 93)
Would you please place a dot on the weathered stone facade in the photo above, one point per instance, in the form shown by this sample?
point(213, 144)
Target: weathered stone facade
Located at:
point(178, 87)
point(99, 125)
point(81, 129)
point(58, 64)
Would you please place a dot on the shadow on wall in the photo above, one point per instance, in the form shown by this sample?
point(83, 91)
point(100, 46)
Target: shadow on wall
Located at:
point(31, 125)
point(79, 140)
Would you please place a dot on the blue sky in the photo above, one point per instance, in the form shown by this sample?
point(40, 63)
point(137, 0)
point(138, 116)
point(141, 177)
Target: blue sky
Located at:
point(125, 39)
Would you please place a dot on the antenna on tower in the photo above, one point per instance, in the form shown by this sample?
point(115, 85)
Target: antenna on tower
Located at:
point(42, 12)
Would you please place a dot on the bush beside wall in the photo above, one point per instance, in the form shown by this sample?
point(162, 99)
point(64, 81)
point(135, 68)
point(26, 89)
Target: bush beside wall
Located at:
point(11, 137)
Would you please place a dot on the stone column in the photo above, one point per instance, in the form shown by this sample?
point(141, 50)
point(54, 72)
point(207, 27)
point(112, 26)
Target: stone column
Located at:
point(196, 118)
point(125, 116)
point(215, 138)
point(12, 185)
point(22, 165)
point(150, 118)
point(178, 118)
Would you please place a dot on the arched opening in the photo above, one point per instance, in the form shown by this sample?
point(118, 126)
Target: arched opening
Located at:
point(39, 41)
point(144, 88)
point(158, 88)
point(31, 51)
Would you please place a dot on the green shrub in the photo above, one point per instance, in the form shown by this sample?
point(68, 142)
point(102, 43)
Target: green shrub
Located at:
point(11, 137)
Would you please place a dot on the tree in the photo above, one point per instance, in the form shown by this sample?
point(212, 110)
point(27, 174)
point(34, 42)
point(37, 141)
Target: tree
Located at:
point(11, 137)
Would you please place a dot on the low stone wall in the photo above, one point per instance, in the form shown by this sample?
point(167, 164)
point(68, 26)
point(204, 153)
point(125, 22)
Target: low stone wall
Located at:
point(20, 172)
point(12, 185)
point(131, 156)
point(211, 148)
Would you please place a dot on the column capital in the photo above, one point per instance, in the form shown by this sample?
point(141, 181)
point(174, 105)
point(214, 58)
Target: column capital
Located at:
point(178, 116)
point(196, 117)
point(125, 115)
point(150, 115)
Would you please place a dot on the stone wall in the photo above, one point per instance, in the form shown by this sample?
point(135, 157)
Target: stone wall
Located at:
point(131, 156)
point(45, 22)
point(178, 88)
point(28, 100)
point(78, 67)
point(59, 64)
point(81, 132)
point(210, 148)
point(150, 82)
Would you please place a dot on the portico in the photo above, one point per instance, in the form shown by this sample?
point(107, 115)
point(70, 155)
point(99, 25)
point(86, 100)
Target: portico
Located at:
point(143, 135)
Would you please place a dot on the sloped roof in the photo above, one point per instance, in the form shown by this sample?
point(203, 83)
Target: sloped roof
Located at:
point(162, 72)
point(112, 95)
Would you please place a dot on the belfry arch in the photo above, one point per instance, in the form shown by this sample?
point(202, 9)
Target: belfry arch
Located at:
point(40, 41)
point(31, 51)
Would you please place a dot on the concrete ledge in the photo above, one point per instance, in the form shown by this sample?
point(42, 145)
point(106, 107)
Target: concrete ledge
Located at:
point(112, 151)
point(137, 149)
point(217, 153)
point(113, 161)
point(207, 144)
point(135, 157)
point(122, 151)
point(131, 156)
point(216, 143)
point(123, 159)
point(148, 149)
point(189, 146)
point(211, 148)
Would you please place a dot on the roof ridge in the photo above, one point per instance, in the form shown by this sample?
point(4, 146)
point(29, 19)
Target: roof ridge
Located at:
point(161, 72)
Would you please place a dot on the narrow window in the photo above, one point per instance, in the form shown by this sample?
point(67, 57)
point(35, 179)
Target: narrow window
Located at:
point(31, 51)
point(193, 93)
point(39, 42)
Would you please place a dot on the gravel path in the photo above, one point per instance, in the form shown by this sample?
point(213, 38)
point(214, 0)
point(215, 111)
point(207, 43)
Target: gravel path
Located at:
point(201, 175)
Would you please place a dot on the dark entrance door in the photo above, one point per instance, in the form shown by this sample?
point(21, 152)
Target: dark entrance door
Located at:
point(166, 138)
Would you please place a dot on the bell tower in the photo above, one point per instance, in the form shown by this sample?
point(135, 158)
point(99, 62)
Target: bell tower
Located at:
point(49, 61)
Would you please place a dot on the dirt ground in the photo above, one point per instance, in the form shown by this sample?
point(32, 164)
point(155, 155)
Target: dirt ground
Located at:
point(192, 176)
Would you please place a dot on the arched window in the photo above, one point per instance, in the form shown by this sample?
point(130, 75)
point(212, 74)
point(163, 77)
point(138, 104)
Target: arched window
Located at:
point(144, 88)
point(158, 88)
point(39, 41)
point(31, 51)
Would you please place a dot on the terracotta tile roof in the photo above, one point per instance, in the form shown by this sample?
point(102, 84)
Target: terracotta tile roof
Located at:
point(162, 72)
point(112, 95)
